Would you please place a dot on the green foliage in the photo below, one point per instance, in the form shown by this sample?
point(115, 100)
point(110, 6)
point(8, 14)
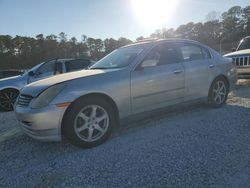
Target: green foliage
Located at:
point(226, 29)
point(25, 52)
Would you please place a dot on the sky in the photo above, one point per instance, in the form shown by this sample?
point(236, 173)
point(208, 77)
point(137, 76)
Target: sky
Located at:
point(101, 18)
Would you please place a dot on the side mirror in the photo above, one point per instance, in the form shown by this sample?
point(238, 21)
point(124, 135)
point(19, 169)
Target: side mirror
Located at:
point(233, 49)
point(149, 63)
point(31, 73)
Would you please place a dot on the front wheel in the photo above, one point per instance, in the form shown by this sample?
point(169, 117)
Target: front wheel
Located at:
point(218, 92)
point(7, 99)
point(89, 122)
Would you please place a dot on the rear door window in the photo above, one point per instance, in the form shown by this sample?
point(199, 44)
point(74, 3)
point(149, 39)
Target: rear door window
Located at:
point(193, 52)
point(75, 65)
point(163, 54)
point(58, 68)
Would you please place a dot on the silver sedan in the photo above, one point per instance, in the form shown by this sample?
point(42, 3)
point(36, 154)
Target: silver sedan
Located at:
point(86, 106)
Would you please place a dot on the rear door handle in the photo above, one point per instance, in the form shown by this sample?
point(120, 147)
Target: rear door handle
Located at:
point(211, 66)
point(177, 71)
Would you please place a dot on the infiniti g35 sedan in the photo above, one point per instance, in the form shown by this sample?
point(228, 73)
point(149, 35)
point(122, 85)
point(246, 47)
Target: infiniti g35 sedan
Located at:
point(85, 106)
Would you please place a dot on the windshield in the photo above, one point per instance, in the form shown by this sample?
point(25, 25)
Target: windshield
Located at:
point(32, 69)
point(244, 44)
point(119, 58)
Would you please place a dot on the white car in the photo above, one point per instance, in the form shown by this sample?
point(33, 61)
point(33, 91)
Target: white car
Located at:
point(10, 87)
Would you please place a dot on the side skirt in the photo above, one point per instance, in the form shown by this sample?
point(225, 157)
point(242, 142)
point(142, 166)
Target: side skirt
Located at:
point(157, 112)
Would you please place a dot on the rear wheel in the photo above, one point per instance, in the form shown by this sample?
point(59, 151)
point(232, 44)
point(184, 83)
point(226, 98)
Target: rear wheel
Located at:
point(218, 92)
point(89, 122)
point(7, 99)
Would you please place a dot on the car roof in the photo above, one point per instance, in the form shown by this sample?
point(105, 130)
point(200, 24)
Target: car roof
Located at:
point(70, 59)
point(154, 41)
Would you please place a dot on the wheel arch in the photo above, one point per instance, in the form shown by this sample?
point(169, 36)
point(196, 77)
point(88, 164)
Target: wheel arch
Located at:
point(9, 88)
point(221, 76)
point(94, 95)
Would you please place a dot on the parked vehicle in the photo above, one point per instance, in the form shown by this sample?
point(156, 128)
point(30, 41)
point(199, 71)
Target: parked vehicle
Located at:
point(244, 44)
point(10, 87)
point(241, 58)
point(10, 72)
point(86, 106)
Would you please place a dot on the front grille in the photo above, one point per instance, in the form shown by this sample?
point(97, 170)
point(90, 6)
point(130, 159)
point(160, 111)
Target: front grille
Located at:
point(24, 100)
point(243, 61)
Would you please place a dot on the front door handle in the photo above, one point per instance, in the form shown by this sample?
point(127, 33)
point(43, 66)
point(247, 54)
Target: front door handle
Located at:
point(211, 66)
point(177, 71)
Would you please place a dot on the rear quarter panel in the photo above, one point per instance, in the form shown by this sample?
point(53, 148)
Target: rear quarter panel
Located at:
point(226, 68)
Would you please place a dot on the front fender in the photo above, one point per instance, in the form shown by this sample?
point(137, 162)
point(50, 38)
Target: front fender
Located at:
point(15, 83)
point(117, 89)
point(9, 87)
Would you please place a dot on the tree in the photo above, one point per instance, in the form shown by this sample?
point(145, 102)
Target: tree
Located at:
point(95, 48)
point(233, 24)
point(213, 15)
point(246, 20)
point(140, 38)
point(123, 42)
point(110, 45)
point(62, 37)
point(25, 52)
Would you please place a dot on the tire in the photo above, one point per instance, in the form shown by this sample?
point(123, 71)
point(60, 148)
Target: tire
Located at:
point(218, 92)
point(7, 99)
point(89, 122)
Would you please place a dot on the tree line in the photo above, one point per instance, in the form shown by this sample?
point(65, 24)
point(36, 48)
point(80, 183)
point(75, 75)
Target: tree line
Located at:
point(220, 31)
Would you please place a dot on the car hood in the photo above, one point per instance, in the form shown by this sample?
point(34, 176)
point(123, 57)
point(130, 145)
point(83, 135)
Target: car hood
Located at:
point(238, 53)
point(35, 88)
point(12, 81)
point(12, 78)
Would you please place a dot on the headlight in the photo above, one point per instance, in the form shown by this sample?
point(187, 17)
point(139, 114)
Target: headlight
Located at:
point(47, 96)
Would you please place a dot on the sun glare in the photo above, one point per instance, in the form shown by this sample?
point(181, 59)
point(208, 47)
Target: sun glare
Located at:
point(153, 13)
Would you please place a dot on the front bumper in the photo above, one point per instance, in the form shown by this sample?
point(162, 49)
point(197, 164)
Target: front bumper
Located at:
point(42, 124)
point(243, 72)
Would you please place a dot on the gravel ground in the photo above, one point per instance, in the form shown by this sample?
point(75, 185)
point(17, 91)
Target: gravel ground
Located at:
point(198, 147)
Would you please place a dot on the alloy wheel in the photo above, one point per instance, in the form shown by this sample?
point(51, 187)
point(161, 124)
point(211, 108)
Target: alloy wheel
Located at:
point(219, 92)
point(91, 123)
point(7, 100)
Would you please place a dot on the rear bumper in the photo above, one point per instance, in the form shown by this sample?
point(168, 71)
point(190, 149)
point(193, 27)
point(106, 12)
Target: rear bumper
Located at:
point(232, 78)
point(232, 83)
point(42, 124)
